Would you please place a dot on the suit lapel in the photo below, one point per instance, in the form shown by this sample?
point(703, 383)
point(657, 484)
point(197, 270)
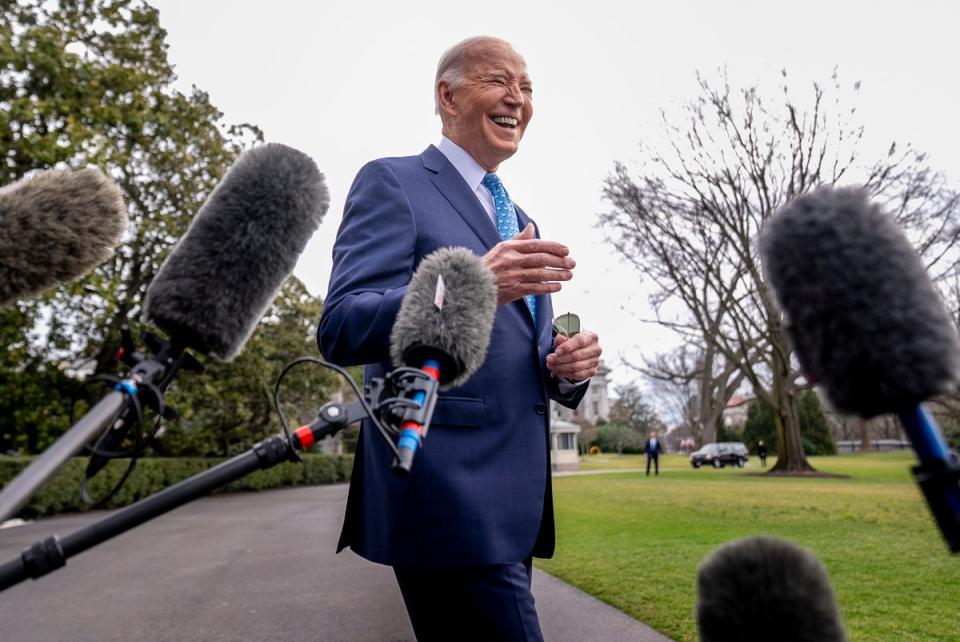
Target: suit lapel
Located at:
point(522, 219)
point(447, 179)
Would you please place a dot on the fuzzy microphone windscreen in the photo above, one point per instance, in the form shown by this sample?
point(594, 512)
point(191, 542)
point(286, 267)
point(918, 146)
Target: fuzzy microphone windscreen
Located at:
point(240, 248)
point(762, 588)
point(55, 227)
point(458, 332)
point(864, 318)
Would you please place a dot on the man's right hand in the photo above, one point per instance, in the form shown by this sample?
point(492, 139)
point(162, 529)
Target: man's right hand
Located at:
point(528, 265)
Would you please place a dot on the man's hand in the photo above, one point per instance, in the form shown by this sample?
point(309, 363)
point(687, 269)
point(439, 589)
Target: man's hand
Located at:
point(575, 358)
point(527, 265)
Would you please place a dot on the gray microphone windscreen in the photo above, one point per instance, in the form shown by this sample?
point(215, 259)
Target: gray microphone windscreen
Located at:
point(240, 248)
point(55, 227)
point(762, 588)
point(457, 332)
point(864, 318)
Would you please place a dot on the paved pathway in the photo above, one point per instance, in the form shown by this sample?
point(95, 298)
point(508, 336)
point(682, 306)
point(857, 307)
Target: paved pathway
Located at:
point(241, 567)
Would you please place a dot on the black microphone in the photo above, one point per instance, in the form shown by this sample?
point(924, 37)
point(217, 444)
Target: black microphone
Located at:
point(55, 227)
point(240, 248)
point(762, 588)
point(868, 324)
point(443, 327)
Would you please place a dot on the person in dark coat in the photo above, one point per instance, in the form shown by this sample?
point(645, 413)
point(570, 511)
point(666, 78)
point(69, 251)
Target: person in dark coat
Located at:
point(652, 448)
point(762, 453)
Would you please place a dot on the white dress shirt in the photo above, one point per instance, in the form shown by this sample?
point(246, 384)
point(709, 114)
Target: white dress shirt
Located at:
point(472, 173)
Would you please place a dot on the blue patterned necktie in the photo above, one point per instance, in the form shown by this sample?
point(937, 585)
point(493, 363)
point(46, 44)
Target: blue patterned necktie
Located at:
point(507, 223)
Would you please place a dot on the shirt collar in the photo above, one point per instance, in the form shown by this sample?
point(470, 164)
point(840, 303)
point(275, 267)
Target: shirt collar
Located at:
point(469, 169)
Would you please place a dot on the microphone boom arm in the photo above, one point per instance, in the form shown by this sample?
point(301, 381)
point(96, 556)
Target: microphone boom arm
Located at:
point(116, 405)
point(52, 553)
point(22, 487)
point(49, 554)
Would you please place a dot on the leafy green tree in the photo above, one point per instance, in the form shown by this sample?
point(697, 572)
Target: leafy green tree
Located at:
point(32, 390)
point(630, 410)
point(760, 426)
point(814, 431)
point(728, 433)
point(230, 407)
point(617, 437)
point(588, 434)
point(87, 82)
point(813, 425)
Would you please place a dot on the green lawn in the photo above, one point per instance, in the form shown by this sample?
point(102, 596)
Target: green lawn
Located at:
point(635, 542)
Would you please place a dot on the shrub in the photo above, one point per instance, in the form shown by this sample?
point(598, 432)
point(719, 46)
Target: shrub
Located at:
point(61, 493)
point(813, 426)
point(618, 438)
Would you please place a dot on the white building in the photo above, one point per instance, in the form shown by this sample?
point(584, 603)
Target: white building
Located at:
point(563, 445)
point(564, 430)
point(735, 414)
point(595, 405)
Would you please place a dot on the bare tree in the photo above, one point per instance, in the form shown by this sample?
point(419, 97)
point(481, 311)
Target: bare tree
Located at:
point(674, 388)
point(841, 428)
point(689, 221)
point(699, 382)
point(866, 431)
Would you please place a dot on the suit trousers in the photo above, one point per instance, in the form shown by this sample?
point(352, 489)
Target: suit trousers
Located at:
point(656, 464)
point(481, 604)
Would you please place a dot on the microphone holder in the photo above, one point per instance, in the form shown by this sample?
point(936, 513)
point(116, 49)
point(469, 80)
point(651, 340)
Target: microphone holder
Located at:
point(389, 400)
point(117, 410)
point(413, 415)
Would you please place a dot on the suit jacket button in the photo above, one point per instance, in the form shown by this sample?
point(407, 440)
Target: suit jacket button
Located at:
point(541, 408)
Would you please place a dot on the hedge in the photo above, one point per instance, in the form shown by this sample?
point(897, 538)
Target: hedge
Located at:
point(61, 493)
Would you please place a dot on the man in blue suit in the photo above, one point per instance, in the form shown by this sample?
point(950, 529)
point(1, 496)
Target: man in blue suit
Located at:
point(653, 449)
point(461, 530)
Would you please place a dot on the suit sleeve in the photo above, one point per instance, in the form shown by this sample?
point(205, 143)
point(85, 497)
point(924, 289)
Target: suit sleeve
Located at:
point(565, 395)
point(373, 260)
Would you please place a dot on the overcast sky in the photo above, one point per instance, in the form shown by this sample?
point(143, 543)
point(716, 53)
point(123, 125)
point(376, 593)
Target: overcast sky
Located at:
point(347, 82)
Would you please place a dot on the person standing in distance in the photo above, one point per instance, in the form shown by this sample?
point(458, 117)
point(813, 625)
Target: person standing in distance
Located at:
point(762, 453)
point(461, 531)
point(652, 448)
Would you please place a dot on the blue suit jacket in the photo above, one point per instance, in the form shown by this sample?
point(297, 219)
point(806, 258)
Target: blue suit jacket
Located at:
point(479, 492)
point(652, 451)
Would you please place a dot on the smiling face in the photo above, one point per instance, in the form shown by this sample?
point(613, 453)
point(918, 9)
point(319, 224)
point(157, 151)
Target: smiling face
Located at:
point(487, 113)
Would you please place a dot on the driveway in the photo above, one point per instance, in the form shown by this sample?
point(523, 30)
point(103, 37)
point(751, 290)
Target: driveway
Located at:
point(252, 566)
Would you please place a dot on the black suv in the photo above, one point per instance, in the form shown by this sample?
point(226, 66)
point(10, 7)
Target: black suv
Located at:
point(721, 454)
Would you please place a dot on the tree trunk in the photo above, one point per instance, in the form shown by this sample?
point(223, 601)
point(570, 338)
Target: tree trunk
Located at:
point(707, 418)
point(790, 456)
point(866, 444)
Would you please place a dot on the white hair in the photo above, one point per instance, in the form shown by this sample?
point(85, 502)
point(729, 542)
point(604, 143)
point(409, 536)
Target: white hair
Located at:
point(451, 66)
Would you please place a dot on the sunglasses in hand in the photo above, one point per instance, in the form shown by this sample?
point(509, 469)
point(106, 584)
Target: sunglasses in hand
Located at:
point(567, 324)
